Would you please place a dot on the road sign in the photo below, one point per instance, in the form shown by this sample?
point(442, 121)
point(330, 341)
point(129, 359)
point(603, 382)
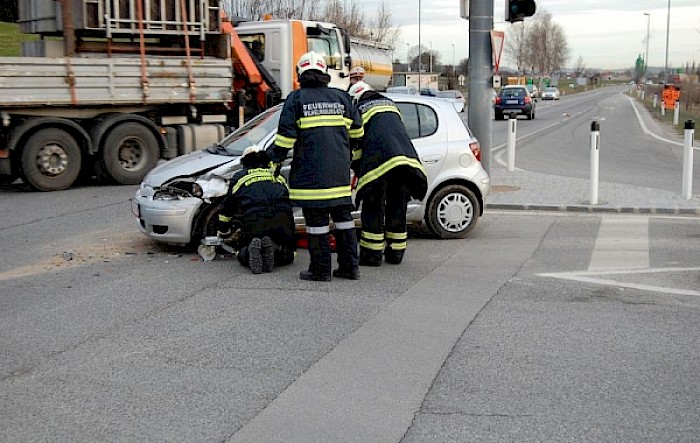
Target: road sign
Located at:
point(497, 38)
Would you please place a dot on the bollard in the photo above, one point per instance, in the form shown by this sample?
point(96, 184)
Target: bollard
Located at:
point(676, 112)
point(512, 125)
point(663, 109)
point(654, 100)
point(595, 154)
point(688, 159)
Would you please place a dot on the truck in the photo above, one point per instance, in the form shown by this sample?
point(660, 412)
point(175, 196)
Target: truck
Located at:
point(113, 86)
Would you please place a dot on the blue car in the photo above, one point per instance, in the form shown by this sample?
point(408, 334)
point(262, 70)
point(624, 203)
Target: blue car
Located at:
point(514, 99)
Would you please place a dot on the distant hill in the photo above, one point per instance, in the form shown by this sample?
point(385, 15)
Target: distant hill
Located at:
point(11, 38)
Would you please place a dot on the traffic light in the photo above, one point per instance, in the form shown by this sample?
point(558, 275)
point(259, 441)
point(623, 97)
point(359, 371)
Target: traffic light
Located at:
point(517, 10)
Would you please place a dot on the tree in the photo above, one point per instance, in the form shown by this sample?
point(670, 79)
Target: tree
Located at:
point(339, 12)
point(515, 47)
point(539, 47)
point(580, 67)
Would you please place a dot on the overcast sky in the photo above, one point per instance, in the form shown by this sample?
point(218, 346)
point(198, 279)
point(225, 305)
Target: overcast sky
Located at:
point(606, 34)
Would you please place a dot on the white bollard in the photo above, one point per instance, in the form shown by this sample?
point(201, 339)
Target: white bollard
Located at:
point(654, 100)
point(663, 109)
point(688, 159)
point(512, 125)
point(676, 112)
point(595, 155)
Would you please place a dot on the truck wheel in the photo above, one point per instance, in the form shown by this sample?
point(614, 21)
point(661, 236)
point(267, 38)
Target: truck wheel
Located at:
point(129, 152)
point(51, 160)
point(452, 212)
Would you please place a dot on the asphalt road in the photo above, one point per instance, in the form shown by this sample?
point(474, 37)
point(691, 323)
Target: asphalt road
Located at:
point(508, 335)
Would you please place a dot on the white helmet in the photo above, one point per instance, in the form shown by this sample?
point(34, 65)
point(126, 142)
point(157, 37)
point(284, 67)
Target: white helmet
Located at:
point(311, 60)
point(251, 150)
point(357, 71)
point(358, 89)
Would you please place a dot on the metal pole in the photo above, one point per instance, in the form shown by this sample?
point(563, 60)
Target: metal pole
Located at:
point(480, 73)
point(646, 53)
point(595, 156)
point(453, 66)
point(431, 57)
point(512, 127)
point(668, 29)
point(420, 49)
point(688, 159)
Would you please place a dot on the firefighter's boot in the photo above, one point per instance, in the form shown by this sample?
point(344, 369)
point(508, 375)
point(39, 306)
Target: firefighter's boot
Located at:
point(320, 253)
point(346, 247)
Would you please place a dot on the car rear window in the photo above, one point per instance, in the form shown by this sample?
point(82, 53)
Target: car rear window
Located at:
point(420, 120)
point(513, 92)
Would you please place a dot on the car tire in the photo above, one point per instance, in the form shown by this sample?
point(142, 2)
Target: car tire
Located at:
point(129, 152)
point(205, 223)
point(453, 211)
point(498, 116)
point(51, 160)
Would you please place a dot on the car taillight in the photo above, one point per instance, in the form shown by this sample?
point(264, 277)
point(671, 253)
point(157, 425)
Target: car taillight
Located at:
point(498, 100)
point(476, 149)
point(527, 100)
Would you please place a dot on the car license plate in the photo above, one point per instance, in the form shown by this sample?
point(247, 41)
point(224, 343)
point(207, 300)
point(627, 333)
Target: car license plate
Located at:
point(511, 102)
point(135, 209)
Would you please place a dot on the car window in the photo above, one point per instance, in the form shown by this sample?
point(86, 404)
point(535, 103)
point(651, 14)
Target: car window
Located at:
point(513, 92)
point(252, 133)
point(420, 120)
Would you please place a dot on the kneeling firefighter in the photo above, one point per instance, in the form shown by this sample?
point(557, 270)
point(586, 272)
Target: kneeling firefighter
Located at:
point(257, 215)
point(389, 173)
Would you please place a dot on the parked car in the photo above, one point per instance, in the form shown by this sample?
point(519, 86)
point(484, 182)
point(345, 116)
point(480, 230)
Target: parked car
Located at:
point(551, 93)
point(179, 200)
point(514, 99)
point(402, 90)
point(534, 92)
point(455, 96)
point(457, 103)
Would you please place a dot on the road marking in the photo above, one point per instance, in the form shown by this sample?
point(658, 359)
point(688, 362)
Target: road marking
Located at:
point(622, 243)
point(591, 277)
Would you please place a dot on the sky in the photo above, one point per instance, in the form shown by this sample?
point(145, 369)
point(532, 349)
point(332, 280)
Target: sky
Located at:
point(606, 34)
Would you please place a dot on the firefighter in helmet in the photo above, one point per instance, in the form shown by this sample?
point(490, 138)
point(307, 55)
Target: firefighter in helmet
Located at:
point(256, 218)
point(389, 173)
point(322, 126)
point(357, 74)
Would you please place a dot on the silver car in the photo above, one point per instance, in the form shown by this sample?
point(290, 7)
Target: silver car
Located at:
point(178, 201)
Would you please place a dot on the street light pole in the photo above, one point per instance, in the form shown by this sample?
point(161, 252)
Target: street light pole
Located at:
point(668, 26)
point(431, 56)
point(646, 54)
point(420, 49)
point(453, 65)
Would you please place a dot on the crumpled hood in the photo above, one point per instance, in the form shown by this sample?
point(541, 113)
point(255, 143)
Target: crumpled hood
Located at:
point(193, 164)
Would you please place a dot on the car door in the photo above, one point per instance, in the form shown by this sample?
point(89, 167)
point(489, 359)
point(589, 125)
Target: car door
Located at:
point(429, 139)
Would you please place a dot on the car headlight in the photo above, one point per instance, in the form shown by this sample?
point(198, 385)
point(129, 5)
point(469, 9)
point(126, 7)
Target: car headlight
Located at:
point(178, 189)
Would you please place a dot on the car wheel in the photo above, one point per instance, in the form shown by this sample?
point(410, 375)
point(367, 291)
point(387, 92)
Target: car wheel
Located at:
point(205, 223)
point(51, 160)
point(453, 211)
point(130, 151)
point(498, 116)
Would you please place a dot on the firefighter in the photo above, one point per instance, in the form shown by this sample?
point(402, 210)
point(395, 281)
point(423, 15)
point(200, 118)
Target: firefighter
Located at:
point(320, 123)
point(256, 217)
point(357, 74)
point(389, 175)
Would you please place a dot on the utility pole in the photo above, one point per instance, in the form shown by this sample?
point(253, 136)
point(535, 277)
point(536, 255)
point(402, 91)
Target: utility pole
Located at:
point(646, 54)
point(480, 74)
point(668, 26)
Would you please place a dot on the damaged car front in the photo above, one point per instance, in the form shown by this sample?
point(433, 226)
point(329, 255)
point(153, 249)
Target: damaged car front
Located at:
point(178, 201)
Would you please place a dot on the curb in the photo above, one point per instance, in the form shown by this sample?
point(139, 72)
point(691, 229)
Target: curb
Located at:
point(594, 209)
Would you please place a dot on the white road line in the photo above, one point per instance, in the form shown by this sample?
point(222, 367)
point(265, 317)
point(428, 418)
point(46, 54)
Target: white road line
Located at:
point(588, 277)
point(622, 243)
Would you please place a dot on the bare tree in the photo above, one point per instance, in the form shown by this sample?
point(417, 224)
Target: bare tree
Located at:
point(515, 45)
point(540, 47)
point(580, 67)
point(339, 12)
